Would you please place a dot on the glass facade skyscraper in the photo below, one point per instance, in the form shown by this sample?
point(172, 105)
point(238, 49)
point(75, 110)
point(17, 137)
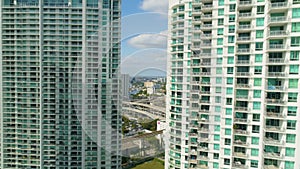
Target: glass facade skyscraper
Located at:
point(234, 84)
point(60, 84)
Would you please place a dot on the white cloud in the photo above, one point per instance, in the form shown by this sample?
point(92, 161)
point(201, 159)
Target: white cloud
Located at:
point(155, 5)
point(146, 41)
point(144, 60)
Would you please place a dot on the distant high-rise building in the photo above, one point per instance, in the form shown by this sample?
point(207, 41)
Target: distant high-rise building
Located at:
point(60, 84)
point(233, 84)
point(125, 85)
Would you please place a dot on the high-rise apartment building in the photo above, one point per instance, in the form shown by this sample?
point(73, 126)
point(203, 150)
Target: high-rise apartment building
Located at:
point(234, 84)
point(60, 84)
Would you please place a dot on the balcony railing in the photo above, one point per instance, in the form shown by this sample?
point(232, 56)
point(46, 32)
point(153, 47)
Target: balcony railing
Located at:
point(206, 45)
point(244, 27)
point(240, 154)
point(238, 131)
point(206, 36)
point(275, 128)
point(241, 120)
point(243, 38)
point(242, 85)
point(275, 101)
point(279, 5)
point(207, 16)
point(239, 142)
point(207, 6)
point(273, 141)
point(206, 63)
point(245, 14)
point(275, 115)
point(277, 74)
point(281, 88)
point(270, 167)
point(276, 60)
point(207, 26)
point(276, 46)
point(277, 19)
point(277, 33)
point(243, 74)
point(245, 2)
point(243, 50)
point(242, 62)
point(238, 164)
point(205, 54)
point(241, 108)
point(272, 155)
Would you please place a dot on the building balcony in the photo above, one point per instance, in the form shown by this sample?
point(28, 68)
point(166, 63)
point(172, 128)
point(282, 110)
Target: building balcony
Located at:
point(242, 27)
point(239, 108)
point(275, 101)
point(271, 141)
point(193, 161)
point(276, 46)
point(274, 129)
point(202, 157)
point(196, 12)
point(240, 154)
point(277, 19)
point(243, 86)
point(276, 74)
point(279, 5)
point(243, 74)
point(243, 62)
point(275, 115)
point(204, 101)
point(204, 139)
point(241, 120)
point(246, 38)
point(239, 165)
point(207, 26)
point(273, 155)
point(207, 7)
point(278, 33)
point(240, 143)
point(270, 167)
point(202, 166)
point(205, 54)
point(244, 15)
point(276, 60)
point(245, 3)
point(206, 45)
point(204, 129)
point(207, 16)
point(243, 50)
point(206, 36)
point(201, 148)
point(241, 132)
point(206, 63)
point(276, 88)
point(205, 73)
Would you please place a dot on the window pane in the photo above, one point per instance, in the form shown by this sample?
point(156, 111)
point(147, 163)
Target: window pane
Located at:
point(296, 13)
point(260, 22)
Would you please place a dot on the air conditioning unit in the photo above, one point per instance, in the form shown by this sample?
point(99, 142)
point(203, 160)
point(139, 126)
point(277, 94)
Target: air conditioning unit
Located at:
point(15, 2)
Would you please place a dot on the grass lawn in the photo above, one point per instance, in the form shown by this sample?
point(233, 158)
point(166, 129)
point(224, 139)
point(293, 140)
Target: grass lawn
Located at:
point(154, 164)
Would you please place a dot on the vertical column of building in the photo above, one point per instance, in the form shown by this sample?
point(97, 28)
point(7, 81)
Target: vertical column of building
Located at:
point(241, 67)
point(20, 87)
point(178, 84)
point(281, 85)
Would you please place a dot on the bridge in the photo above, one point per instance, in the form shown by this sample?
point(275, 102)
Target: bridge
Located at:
point(145, 108)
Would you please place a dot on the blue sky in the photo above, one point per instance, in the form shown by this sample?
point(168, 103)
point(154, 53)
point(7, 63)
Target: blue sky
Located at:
point(144, 40)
